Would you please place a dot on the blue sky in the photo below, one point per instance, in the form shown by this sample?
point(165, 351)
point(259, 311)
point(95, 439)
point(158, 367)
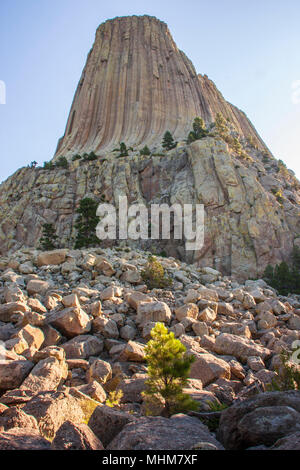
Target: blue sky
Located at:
point(249, 49)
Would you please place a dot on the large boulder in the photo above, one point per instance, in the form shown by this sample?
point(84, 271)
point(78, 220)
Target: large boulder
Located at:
point(37, 286)
point(83, 346)
point(209, 368)
point(23, 439)
point(263, 419)
point(52, 409)
point(9, 310)
point(72, 436)
point(54, 257)
point(71, 322)
point(180, 432)
point(12, 373)
point(46, 376)
point(291, 442)
point(153, 311)
point(16, 418)
point(100, 371)
point(133, 352)
point(239, 347)
point(107, 423)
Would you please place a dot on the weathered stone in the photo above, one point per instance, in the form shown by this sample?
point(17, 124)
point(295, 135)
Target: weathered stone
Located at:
point(8, 310)
point(127, 332)
point(12, 373)
point(45, 376)
point(83, 346)
point(52, 409)
point(133, 352)
point(100, 371)
point(239, 347)
point(207, 315)
point(23, 439)
point(271, 415)
point(36, 286)
point(200, 328)
point(153, 311)
point(107, 423)
point(189, 310)
point(106, 326)
point(16, 418)
point(71, 301)
point(94, 390)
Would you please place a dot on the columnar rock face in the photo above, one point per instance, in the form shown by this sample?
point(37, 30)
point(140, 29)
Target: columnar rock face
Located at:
point(136, 85)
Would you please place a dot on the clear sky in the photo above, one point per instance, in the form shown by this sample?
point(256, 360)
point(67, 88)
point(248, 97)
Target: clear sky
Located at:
point(250, 49)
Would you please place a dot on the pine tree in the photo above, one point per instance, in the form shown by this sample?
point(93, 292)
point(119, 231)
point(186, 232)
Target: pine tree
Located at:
point(168, 372)
point(86, 224)
point(168, 141)
point(48, 238)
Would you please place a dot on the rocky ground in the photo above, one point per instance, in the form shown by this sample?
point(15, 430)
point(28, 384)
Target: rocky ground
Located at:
point(73, 325)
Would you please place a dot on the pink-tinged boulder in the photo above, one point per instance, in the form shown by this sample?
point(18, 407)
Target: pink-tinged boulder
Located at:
point(291, 442)
point(207, 315)
point(180, 432)
point(36, 306)
point(52, 409)
point(100, 371)
point(83, 346)
point(33, 336)
point(133, 352)
point(135, 298)
point(106, 326)
point(23, 439)
point(104, 267)
point(46, 376)
point(153, 311)
point(108, 422)
point(16, 418)
point(209, 368)
point(239, 347)
point(189, 310)
point(238, 329)
point(71, 322)
point(7, 311)
point(263, 419)
point(72, 436)
point(37, 286)
point(54, 257)
point(12, 373)
point(225, 308)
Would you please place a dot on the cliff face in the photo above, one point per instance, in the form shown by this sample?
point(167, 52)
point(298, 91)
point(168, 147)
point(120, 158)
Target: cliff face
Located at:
point(136, 85)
